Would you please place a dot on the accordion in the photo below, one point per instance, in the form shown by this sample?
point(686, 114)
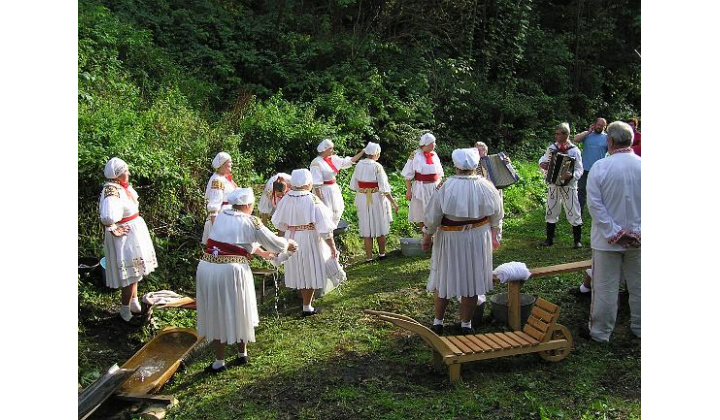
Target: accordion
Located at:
point(494, 168)
point(558, 165)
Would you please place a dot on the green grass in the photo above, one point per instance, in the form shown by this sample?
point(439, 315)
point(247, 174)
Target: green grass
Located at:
point(342, 364)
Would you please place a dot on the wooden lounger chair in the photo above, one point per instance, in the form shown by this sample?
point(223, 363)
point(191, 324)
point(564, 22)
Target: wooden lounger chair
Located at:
point(541, 335)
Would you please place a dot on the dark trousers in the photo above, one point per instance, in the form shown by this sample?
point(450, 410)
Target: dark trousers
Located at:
point(582, 191)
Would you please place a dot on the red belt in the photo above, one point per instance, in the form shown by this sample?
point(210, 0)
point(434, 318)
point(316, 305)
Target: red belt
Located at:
point(426, 177)
point(447, 222)
point(224, 203)
point(367, 184)
point(332, 181)
point(225, 249)
point(129, 218)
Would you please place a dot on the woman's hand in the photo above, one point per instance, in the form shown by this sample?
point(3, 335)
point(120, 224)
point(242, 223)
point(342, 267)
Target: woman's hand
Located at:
point(408, 195)
point(120, 231)
point(426, 242)
point(395, 207)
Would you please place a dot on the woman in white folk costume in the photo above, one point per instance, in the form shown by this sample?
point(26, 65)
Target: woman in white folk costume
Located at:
point(324, 169)
point(226, 304)
point(373, 200)
point(305, 219)
point(129, 251)
point(218, 187)
point(463, 215)
point(276, 187)
point(422, 172)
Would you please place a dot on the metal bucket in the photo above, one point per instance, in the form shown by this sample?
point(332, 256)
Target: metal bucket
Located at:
point(499, 307)
point(411, 247)
point(88, 267)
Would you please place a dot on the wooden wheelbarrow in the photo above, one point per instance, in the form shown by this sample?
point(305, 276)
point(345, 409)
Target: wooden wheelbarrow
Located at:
point(541, 335)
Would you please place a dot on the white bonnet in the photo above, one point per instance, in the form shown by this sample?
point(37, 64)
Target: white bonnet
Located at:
point(466, 159)
point(324, 145)
point(426, 139)
point(372, 149)
point(220, 159)
point(301, 177)
point(114, 168)
point(241, 197)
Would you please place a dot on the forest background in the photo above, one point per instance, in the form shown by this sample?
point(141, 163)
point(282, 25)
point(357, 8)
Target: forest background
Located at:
point(166, 85)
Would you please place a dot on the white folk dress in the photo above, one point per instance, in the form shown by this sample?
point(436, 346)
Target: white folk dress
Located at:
point(324, 180)
point(461, 263)
point(422, 191)
point(129, 257)
point(268, 202)
point(217, 189)
point(373, 208)
point(304, 218)
point(225, 290)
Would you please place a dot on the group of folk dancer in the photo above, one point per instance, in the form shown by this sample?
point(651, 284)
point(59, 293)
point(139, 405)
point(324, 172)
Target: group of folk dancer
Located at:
point(461, 220)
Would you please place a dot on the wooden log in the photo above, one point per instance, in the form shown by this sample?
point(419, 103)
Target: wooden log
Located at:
point(100, 390)
point(514, 304)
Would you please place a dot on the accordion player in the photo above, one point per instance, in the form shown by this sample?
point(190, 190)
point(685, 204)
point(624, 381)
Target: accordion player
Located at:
point(559, 164)
point(497, 170)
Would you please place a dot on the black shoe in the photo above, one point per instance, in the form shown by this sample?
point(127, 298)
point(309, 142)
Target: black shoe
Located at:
point(311, 313)
point(240, 360)
point(577, 245)
point(467, 331)
point(210, 370)
point(547, 242)
point(437, 329)
point(575, 291)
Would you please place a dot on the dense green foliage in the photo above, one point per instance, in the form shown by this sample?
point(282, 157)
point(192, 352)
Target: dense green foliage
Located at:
point(166, 85)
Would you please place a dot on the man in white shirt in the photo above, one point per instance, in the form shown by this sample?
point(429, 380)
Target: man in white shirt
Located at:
point(614, 203)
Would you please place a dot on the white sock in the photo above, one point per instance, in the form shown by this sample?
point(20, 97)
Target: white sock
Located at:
point(464, 324)
point(382, 255)
point(217, 364)
point(243, 353)
point(135, 305)
point(308, 308)
point(125, 312)
point(584, 289)
point(437, 321)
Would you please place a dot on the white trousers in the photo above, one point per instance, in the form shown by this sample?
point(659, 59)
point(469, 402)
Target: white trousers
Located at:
point(559, 197)
point(607, 270)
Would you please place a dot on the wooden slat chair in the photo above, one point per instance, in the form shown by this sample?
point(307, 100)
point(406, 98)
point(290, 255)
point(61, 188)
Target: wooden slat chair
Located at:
point(541, 334)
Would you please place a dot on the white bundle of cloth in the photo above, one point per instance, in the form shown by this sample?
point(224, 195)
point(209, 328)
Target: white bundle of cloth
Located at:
point(334, 271)
point(161, 297)
point(512, 271)
point(283, 256)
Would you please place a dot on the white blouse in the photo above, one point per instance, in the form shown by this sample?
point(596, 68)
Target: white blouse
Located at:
point(322, 172)
point(416, 163)
point(218, 188)
point(247, 231)
point(298, 208)
point(115, 204)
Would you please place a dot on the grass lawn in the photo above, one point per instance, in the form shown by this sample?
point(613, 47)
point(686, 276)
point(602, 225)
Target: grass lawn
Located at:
point(342, 364)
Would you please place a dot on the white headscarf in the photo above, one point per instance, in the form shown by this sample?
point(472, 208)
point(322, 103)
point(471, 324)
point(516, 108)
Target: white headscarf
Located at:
point(372, 149)
point(426, 139)
point(114, 168)
point(324, 145)
point(301, 177)
point(220, 159)
point(466, 159)
point(241, 197)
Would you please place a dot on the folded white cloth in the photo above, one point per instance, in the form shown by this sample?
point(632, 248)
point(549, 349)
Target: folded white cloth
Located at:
point(512, 271)
point(334, 271)
point(160, 297)
point(283, 256)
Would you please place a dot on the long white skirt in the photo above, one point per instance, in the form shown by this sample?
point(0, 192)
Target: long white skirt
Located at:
point(332, 197)
point(461, 263)
point(206, 230)
point(306, 268)
point(373, 219)
point(421, 194)
point(129, 257)
point(226, 302)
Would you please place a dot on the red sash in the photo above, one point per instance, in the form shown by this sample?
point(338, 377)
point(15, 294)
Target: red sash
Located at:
point(426, 177)
point(328, 160)
point(332, 181)
point(225, 249)
point(129, 218)
point(367, 184)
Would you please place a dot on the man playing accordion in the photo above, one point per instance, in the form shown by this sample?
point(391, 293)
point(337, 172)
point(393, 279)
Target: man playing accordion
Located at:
point(562, 189)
